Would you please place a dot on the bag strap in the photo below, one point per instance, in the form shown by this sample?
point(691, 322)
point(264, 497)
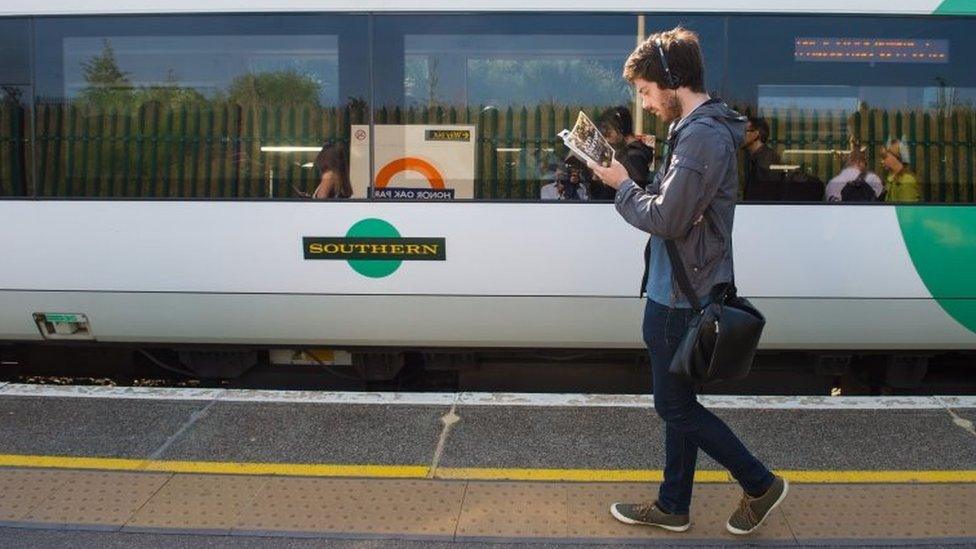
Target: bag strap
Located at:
point(678, 267)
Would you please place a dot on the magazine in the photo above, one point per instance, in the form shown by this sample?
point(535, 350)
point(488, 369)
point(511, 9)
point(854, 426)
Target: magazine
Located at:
point(587, 143)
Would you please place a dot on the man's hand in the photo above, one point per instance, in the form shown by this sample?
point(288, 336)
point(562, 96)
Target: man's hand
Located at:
point(612, 176)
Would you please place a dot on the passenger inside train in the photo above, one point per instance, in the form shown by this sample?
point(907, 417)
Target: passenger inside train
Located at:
point(617, 125)
point(571, 181)
point(855, 183)
point(761, 182)
point(901, 184)
point(332, 164)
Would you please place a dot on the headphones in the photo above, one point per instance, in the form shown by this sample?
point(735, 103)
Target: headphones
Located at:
point(669, 78)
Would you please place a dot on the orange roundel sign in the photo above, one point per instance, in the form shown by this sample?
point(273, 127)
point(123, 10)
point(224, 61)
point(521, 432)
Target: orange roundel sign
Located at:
point(410, 163)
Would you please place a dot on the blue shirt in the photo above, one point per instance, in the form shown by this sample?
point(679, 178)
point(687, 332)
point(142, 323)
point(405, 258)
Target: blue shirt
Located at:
point(659, 282)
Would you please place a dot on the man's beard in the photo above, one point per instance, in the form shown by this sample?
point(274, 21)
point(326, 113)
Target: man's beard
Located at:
point(672, 109)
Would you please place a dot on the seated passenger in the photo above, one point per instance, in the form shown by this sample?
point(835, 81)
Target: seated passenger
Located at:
point(901, 185)
point(761, 183)
point(568, 184)
point(617, 125)
point(855, 183)
point(333, 163)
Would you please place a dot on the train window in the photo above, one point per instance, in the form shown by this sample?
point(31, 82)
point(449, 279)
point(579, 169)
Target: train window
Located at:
point(14, 51)
point(195, 106)
point(469, 106)
point(899, 91)
point(15, 148)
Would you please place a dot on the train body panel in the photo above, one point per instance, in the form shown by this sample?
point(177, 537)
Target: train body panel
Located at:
point(490, 249)
point(510, 275)
point(463, 321)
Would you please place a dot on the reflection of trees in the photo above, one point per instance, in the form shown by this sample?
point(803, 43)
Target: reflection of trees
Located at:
point(108, 86)
point(170, 93)
point(287, 87)
point(115, 138)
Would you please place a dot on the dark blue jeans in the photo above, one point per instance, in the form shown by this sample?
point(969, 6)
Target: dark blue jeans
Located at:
point(688, 425)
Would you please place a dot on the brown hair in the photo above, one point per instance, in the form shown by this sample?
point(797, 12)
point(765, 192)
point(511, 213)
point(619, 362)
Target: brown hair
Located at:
point(856, 156)
point(684, 58)
point(760, 125)
point(334, 158)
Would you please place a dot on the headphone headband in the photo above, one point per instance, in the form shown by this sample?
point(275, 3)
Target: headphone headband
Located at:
point(668, 77)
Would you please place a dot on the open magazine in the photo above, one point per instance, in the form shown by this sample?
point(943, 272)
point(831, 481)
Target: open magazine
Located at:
point(587, 143)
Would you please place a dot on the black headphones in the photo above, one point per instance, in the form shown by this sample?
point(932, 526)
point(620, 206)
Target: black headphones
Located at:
point(671, 81)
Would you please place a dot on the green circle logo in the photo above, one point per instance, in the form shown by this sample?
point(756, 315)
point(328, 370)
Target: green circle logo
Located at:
point(374, 228)
point(941, 241)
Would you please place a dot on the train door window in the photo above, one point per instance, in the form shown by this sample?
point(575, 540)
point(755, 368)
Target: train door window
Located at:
point(15, 98)
point(890, 97)
point(468, 107)
point(232, 107)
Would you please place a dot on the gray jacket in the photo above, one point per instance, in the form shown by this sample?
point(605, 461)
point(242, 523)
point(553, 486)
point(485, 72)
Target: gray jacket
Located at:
point(701, 180)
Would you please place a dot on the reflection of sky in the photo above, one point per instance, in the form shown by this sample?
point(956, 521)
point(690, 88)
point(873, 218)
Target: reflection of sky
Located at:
point(510, 69)
point(510, 46)
point(207, 64)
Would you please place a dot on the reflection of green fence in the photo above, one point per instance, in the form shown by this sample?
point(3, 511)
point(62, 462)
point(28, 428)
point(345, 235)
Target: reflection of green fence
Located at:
point(942, 145)
point(14, 159)
point(213, 150)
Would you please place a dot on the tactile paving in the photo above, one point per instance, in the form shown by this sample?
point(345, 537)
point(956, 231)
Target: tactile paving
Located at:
point(711, 505)
point(466, 510)
point(514, 510)
point(22, 489)
point(903, 511)
point(97, 498)
point(197, 502)
point(355, 506)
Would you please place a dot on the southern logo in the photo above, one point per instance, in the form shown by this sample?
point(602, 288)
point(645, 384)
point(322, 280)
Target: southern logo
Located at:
point(374, 248)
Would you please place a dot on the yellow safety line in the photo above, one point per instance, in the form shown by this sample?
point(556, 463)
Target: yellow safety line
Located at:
point(216, 467)
point(467, 473)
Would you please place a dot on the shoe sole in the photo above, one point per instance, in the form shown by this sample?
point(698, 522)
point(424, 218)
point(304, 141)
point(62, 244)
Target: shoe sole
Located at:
point(736, 531)
point(625, 520)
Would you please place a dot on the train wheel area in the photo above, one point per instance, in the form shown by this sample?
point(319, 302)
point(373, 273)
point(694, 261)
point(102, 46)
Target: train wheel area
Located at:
point(205, 467)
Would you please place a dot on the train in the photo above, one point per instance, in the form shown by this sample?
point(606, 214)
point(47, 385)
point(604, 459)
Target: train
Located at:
point(151, 167)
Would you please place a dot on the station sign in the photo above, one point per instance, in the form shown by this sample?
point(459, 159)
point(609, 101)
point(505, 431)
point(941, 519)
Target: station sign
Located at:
point(414, 161)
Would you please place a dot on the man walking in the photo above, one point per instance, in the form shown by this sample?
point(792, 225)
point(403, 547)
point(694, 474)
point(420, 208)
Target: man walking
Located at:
point(690, 201)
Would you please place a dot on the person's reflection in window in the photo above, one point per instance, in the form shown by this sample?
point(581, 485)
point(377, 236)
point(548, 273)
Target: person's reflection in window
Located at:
point(848, 181)
point(901, 185)
point(617, 125)
point(570, 182)
point(332, 163)
point(758, 176)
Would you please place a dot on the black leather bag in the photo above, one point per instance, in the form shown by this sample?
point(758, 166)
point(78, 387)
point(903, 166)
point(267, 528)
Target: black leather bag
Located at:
point(722, 337)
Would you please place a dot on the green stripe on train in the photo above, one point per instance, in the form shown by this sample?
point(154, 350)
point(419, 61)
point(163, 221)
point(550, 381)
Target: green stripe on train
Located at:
point(941, 241)
point(957, 7)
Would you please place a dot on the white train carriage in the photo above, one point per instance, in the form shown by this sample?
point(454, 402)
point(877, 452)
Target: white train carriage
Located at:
point(153, 156)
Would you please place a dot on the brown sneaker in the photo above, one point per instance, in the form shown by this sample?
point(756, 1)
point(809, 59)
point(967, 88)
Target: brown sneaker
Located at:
point(649, 514)
point(753, 511)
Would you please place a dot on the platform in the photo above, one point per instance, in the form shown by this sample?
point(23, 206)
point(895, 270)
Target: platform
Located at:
point(205, 465)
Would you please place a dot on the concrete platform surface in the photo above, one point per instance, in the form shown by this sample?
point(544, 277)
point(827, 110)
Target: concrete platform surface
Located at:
point(156, 467)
